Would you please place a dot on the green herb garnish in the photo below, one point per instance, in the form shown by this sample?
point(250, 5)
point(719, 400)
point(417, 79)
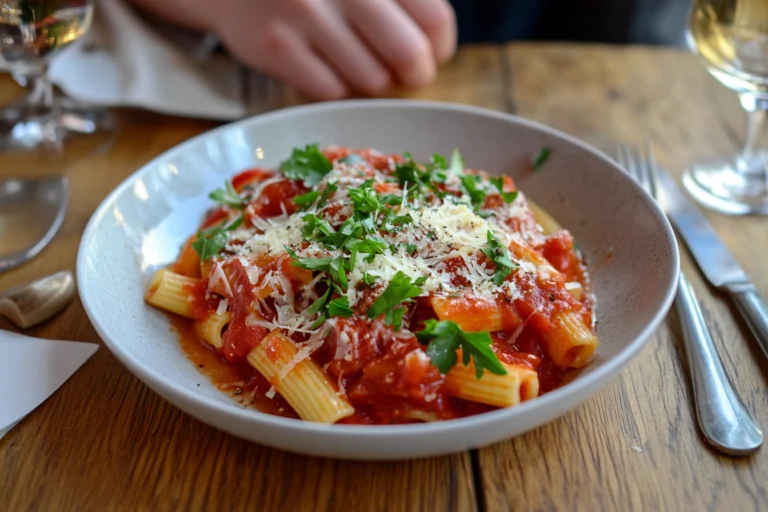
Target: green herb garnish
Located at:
point(398, 290)
point(457, 163)
point(444, 338)
point(507, 196)
point(476, 195)
point(540, 158)
point(308, 164)
point(499, 255)
point(305, 201)
point(228, 196)
point(211, 241)
point(340, 307)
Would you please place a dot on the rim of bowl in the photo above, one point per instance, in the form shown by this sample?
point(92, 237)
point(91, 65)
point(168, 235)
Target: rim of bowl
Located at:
point(607, 370)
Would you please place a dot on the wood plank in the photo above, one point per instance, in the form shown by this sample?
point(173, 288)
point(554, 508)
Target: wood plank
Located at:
point(105, 441)
point(635, 445)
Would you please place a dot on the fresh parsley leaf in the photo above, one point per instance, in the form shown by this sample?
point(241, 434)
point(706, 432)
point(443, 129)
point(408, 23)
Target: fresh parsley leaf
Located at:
point(408, 172)
point(476, 195)
point(305, 201)
point(313, 224)
point(457, 163)
point(315, 264)
point(308, 164)
point(420, 281)
point(507, 196)
point(319, 304)
point(338, 270)
point(439, 161)
point(499, 255)
point(211, 241)
point(444, 338)
point(330, 188)
point(365, 198)
point(398, 290)
point(410, 248)
point(320, 321)
point(340, 307)
point(394, 318)
point(369, 279)
point(367, 246)
point(540, 158)
point(228, 196)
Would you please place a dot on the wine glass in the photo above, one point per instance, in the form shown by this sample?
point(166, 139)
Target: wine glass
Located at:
point(732, 38)
point(31, 33)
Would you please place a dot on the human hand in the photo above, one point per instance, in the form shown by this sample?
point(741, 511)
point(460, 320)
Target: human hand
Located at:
point(328, 48)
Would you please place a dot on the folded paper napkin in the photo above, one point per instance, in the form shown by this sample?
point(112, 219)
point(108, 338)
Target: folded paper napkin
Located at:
point(31, 370)
point(126, 61)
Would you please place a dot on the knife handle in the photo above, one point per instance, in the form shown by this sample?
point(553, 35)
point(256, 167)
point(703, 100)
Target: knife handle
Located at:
point(753, 310)
point(724, 421)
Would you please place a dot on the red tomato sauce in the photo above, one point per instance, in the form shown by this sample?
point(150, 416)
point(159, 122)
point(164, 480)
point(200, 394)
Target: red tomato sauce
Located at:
point(381, 375)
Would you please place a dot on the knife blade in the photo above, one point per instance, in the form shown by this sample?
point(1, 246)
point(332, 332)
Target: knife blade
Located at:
point(713, 258)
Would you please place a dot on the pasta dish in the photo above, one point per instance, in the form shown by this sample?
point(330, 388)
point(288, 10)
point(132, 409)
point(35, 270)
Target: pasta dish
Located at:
point(352, 286)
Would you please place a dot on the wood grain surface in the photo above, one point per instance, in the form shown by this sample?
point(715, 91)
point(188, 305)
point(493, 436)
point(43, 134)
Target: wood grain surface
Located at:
point(104, 441)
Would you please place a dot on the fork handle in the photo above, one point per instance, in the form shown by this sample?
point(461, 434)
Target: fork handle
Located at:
point(723, 419)
point(753, 310)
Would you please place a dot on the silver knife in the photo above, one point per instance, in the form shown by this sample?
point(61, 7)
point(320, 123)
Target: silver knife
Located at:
point(715, 260)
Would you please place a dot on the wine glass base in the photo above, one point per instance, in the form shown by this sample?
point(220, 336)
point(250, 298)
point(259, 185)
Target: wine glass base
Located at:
point(55, 131)
point(722, 187)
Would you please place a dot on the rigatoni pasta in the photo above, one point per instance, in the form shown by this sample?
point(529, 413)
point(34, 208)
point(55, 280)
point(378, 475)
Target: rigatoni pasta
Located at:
point(357, 287)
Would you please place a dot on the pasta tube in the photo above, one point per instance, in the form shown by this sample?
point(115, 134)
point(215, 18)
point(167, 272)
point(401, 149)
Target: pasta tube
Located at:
point(519, 384)
point(568, 341)
point(170, 291)
point(300, 381)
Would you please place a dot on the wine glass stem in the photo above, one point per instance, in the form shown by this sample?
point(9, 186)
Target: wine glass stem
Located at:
point(750, 158)
point(42, 88)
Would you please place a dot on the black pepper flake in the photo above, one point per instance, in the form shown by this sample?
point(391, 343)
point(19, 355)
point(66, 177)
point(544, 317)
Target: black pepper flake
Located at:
point(552, 297)
point(200, 365)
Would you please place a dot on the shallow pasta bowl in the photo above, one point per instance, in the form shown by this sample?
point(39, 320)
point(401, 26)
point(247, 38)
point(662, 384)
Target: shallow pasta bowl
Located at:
point(140, 227)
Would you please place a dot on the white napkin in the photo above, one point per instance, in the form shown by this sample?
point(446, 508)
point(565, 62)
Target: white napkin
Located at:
point(126, 61)
point(31, 370)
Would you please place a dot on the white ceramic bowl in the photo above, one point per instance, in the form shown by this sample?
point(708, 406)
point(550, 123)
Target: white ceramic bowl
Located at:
point(140, 226)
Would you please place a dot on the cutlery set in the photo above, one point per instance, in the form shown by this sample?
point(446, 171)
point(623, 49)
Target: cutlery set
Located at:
point(723, 419)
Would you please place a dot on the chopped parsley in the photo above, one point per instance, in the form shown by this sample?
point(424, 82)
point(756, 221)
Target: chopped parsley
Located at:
point(308, 164)
point(398, 290)
point(499, 255)
point(340, 307)
point(228, 196)
point(476, 195)
point(457, 162)
point(364, 198)
point(507, 196)
point(211, 241)
point(369, 279)
point(540, 158)
point(330, 188)
point(444, 338)
point(305, 201)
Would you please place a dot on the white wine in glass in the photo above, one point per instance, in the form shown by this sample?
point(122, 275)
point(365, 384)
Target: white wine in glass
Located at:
point(31, 33)
point(732, 38)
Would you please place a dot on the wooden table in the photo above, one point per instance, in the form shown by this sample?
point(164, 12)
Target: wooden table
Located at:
point(104, 441)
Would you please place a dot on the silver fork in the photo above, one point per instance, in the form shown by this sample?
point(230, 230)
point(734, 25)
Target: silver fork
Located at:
point(723, 419)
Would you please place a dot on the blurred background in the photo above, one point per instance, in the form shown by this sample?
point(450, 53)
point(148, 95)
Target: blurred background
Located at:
point(610, 21)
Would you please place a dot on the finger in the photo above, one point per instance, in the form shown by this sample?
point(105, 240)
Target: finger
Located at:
point(282, 52)
point(335, 40)
point(398, 40)
point(438, 20)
